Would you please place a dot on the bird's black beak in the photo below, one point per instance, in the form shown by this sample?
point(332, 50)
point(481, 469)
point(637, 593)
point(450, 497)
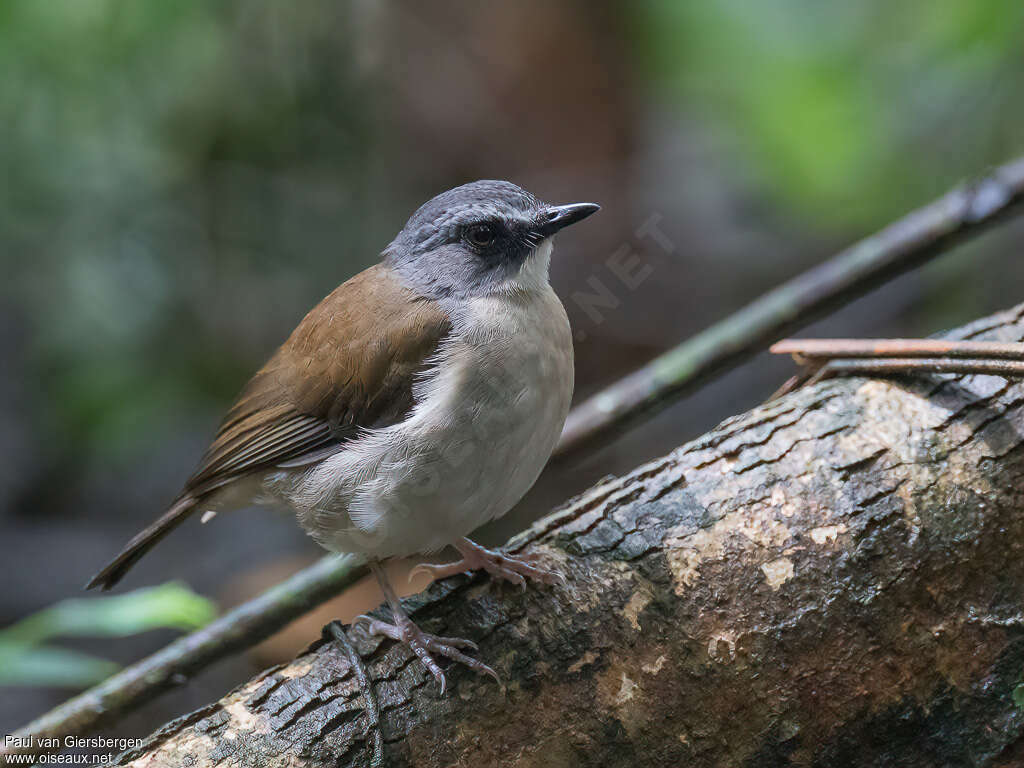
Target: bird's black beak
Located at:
point(559, 216)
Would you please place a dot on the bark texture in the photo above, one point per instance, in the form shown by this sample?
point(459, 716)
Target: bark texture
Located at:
point(832, 579)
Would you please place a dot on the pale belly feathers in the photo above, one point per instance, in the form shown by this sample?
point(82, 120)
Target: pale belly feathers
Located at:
point(486, 419)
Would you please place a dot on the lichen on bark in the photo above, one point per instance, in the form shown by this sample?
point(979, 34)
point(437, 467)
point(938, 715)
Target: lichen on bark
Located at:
point(833, 578)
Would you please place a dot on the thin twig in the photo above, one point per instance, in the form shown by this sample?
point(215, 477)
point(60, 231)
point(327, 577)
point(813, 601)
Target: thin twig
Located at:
point(796, 381)
point(241, 628)
point(909, 242)
point(373, 731)
point(888, 366)
point(835, 348)
point(825, 358)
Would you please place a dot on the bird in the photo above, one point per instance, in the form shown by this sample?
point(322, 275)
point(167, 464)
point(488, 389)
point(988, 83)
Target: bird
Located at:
point(417, 401)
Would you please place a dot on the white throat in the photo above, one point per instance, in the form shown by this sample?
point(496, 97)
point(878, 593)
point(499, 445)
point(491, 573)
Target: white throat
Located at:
point(533, 274)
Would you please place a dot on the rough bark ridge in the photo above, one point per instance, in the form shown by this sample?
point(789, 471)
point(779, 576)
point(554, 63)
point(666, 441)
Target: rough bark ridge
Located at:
point(833, 578)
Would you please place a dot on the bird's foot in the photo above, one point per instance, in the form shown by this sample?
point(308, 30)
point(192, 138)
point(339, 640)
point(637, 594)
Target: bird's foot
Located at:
point(476, 558)
point(424, 644)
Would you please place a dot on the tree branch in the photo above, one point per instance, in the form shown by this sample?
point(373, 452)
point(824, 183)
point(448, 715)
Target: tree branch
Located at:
point(833, 578)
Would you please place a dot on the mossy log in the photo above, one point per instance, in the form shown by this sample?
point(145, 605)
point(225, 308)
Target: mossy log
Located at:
point(832, 579)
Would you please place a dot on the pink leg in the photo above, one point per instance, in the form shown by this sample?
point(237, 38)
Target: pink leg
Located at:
point(421, 643)
point(476, 558)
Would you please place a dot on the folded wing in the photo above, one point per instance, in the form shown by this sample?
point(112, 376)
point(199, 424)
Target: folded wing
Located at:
point(350, 364)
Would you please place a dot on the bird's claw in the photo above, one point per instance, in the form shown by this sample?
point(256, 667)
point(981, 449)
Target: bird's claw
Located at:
point(516, 570)
point(423, 644)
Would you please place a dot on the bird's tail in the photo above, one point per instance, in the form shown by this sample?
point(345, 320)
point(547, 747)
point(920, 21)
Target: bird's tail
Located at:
point(142, 543)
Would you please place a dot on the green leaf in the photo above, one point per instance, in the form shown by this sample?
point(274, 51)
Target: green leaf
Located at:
point(25, 665)
point(24, 660)
point(169, 605)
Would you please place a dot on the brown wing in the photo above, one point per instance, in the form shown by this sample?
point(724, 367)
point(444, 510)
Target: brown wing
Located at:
point(351, 363)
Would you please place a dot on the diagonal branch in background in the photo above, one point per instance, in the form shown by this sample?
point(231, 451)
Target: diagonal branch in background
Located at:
point(901, 246)
point(832, 579)
point(921, 235)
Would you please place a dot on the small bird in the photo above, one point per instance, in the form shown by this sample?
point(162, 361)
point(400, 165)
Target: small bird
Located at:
point(417, 401)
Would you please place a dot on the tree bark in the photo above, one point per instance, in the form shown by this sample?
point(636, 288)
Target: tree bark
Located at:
point(834, 578)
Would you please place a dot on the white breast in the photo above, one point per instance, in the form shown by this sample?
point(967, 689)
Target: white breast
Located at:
point(485, 422)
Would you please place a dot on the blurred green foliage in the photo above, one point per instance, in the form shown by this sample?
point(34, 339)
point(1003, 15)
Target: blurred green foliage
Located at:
point(173, 173)
point(851, 112)
point(27, 659)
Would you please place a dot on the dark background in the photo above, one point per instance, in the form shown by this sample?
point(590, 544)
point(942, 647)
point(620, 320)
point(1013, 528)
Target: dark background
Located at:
point(180, 181)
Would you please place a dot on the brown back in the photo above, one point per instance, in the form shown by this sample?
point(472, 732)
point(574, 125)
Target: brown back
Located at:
point(350, 363)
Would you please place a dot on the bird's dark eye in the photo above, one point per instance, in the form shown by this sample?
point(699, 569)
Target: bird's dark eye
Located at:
point(480, 235)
